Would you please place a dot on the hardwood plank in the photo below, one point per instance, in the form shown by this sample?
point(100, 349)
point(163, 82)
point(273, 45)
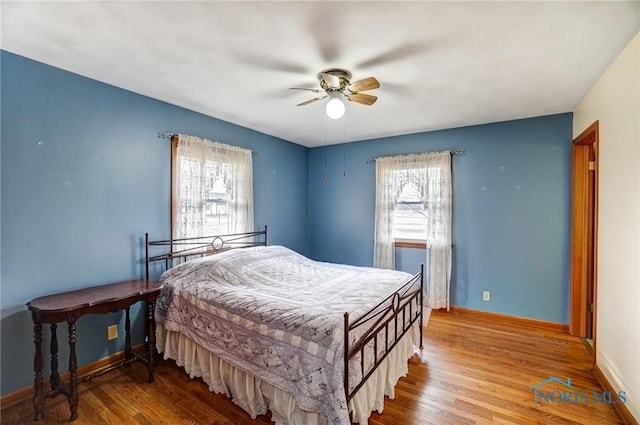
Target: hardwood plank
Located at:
point(471, 371)
point(524, 321)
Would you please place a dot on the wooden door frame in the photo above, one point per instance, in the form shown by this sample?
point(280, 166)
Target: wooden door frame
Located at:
point(584, 150)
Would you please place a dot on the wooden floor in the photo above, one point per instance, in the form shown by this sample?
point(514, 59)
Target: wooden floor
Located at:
point(471, 371)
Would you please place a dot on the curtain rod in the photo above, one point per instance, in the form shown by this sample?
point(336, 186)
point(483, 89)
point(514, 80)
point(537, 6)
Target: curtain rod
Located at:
point(169, 135)
point(459, 152)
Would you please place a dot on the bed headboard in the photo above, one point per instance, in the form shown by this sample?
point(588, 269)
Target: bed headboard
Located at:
point(175, 251)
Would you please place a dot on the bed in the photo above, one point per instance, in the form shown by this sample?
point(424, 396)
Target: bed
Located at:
point(315, 343)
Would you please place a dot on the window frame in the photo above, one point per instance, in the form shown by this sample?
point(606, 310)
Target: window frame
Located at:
point(410, 243)
point(175, 139)
point(416, 243)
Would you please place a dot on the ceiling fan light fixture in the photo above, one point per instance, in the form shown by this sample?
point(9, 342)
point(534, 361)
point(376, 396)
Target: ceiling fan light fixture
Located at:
point(335, 108)
point(335, 84)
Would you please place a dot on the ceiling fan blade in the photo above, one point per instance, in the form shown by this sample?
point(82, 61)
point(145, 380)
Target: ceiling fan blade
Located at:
point(330, 79)
point(273, 64)
point(327, 26)
point(396, 53)
point(365, 99)
point(304, 88)
point(311, 101)
point(366, 84)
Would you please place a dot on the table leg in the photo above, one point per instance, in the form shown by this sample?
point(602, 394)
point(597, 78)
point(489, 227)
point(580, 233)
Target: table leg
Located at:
point(54, 378)
point(128, 353)
point(37, 368)
point(73, 370)
point(151, 338)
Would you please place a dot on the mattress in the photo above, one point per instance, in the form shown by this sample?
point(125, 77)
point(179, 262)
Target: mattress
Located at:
point(275, 316)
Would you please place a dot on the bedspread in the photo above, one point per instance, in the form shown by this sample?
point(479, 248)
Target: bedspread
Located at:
point(277, 315)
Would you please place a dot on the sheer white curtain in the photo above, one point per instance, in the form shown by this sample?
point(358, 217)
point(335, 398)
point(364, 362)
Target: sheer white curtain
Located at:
point(200, 162)
point(431, 173)
point(387, 191)
point(438, 206)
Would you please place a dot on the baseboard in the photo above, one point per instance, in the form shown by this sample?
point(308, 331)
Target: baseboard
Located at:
point(26, 393)
point(516, 320)
point(622, 409)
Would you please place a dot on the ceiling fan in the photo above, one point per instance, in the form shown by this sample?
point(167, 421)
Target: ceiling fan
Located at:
point(336, 83)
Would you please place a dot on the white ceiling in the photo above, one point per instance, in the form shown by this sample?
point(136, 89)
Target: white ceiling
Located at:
point(440, 64)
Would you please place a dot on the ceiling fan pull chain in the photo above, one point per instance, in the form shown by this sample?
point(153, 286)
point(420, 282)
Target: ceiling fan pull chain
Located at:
point(344, 139)
point(344, 165)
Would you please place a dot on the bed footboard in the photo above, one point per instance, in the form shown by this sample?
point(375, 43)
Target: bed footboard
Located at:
point(400, 309)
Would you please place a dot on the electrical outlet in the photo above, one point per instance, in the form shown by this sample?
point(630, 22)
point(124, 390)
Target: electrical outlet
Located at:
point(486, 296)
point(112, 332)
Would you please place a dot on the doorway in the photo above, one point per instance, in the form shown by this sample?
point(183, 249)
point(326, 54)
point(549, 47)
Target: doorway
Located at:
point(582, 316)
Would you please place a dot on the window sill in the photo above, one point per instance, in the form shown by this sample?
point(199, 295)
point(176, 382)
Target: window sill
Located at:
point(407, 243)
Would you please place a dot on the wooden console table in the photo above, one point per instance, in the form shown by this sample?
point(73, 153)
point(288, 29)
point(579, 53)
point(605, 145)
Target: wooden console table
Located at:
point(70, 306)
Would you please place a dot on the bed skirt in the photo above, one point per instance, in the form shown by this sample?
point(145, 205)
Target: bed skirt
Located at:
point(256, 396)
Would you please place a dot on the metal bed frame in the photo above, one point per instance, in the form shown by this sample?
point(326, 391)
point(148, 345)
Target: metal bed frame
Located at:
point(180, 250)
point(402, 308)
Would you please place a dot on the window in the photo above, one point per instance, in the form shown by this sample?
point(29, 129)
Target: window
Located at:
point(410, 216)
point(415, 200)
point(212, 188)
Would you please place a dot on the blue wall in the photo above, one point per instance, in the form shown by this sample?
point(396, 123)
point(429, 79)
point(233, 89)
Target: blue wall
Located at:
point(511, 211)
point(84, 176)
